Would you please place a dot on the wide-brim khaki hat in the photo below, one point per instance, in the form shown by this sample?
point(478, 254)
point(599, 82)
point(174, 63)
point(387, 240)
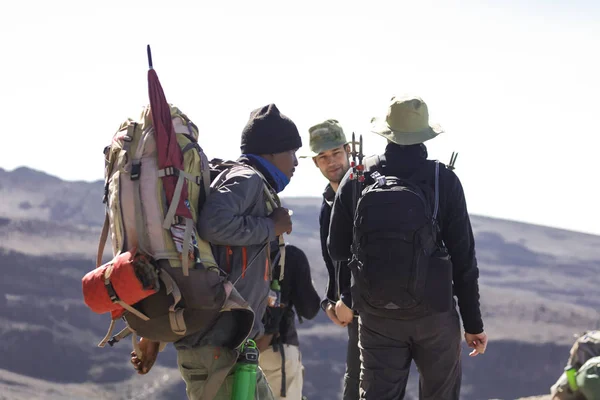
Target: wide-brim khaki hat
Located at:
point(324, 136)
point(406, 122)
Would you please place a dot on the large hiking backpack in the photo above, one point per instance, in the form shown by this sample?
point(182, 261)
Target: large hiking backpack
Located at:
point(189, 291)
point(401, 269)
point(584, 362)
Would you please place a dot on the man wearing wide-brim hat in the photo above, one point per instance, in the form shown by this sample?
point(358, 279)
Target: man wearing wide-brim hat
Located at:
point(414, 250)
point(330, 152)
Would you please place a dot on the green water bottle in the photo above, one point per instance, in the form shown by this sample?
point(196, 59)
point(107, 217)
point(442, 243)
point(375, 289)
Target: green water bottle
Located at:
point(244, 377)
point(276, 288)
point(571, 372)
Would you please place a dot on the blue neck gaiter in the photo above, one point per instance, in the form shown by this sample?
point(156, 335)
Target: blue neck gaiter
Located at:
point(277, 177)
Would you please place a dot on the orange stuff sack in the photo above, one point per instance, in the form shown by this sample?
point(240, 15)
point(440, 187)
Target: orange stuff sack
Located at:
point(115, 286)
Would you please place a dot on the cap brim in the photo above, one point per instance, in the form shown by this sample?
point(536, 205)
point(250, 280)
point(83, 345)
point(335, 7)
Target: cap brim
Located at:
point(381, 128)
point(312, 154)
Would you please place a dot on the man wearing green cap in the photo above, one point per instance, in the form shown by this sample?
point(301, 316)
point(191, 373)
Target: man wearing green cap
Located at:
point(412, 249)
point(329, 150)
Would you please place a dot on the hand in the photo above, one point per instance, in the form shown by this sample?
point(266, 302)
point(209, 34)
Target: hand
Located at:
point(282, 220)
point(477, 342)
point(142, 363)
point(330, 311)
point(344, 314)
point(263, 342)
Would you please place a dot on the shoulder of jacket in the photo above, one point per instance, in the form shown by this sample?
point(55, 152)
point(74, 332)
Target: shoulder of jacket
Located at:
point(241, 172)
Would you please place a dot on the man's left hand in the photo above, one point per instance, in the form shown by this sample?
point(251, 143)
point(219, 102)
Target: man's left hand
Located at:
point(263, 342)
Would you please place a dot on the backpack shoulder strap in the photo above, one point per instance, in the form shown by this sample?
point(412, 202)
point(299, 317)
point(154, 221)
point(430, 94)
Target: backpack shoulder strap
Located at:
point(273, 203)
point(423, 176)
point(436, 203)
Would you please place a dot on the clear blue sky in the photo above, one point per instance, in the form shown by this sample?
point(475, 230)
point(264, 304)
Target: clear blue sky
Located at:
point(515, 85)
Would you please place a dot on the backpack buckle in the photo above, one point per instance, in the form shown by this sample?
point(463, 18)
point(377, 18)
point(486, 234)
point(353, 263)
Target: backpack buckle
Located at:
point(378, 178)
point(112, 294)
point(136, 169)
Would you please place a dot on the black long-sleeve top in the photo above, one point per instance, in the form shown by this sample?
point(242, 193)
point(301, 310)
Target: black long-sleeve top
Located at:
point(298, 293)
point(456, 231)
point(339, 276)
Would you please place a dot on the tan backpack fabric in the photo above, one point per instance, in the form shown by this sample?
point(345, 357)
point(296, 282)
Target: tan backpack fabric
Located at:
point(192, 290)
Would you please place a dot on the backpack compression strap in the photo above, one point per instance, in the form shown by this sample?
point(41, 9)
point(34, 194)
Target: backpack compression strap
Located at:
point(127, 139)
point(272, 204)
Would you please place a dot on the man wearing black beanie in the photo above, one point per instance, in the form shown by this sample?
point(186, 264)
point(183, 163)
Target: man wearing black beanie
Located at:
point(273, 137)
point(243, 220)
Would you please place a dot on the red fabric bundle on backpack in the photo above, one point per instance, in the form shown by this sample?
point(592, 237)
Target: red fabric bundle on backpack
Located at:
point(116, 285)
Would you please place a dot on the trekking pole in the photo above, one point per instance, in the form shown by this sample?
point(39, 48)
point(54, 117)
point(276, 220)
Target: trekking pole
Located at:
point(357, 177)
point(452, 161)
point(353, 173)
point(354, 178)
point(252, 260)
point(360, 167)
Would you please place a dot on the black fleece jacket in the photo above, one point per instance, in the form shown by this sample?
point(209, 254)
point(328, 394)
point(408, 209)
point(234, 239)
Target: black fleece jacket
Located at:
point(338, 283)
point(297, 292)
point(453, 218)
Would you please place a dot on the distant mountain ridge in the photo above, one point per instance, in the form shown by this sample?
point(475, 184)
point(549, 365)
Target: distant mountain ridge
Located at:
point(538, 288)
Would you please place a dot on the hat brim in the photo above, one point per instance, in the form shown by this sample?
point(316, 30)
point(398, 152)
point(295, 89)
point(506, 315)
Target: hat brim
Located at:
point(381, 128)
point(311, 154)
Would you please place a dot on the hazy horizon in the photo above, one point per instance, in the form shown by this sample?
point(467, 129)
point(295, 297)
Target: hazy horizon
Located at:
point(513, 85)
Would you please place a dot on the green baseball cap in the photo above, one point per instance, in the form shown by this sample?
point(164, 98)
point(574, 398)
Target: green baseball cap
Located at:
point(325, 136)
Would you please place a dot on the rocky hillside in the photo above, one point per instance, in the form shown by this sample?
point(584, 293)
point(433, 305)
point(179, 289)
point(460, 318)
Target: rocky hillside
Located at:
point(538, 288)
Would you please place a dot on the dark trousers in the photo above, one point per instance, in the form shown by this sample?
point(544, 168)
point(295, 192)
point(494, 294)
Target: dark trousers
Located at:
point(388, 346)
point(352, 375)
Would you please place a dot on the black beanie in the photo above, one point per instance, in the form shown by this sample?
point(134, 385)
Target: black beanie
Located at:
point(269, 132)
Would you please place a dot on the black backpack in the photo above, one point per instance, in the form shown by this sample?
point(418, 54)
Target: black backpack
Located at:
point(400, 266)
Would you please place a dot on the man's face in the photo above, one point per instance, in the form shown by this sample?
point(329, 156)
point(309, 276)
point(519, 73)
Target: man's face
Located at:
point(333, 163)
point(286, 162)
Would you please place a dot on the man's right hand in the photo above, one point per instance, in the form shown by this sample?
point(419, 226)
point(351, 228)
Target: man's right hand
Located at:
point(330, 311)
point(343, 312)
point(283, 221)
point(477, 342)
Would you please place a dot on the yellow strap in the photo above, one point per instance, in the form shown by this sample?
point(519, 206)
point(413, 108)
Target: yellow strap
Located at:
point(103, 237)
point(272, 203)
point(175, 314)
point(132, 310)
point(185, 252)
point(174, 203)
point(177, 322)
point(107, 336)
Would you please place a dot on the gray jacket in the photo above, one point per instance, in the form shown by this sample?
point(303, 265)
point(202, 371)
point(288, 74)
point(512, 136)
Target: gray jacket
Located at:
point(234, 220)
